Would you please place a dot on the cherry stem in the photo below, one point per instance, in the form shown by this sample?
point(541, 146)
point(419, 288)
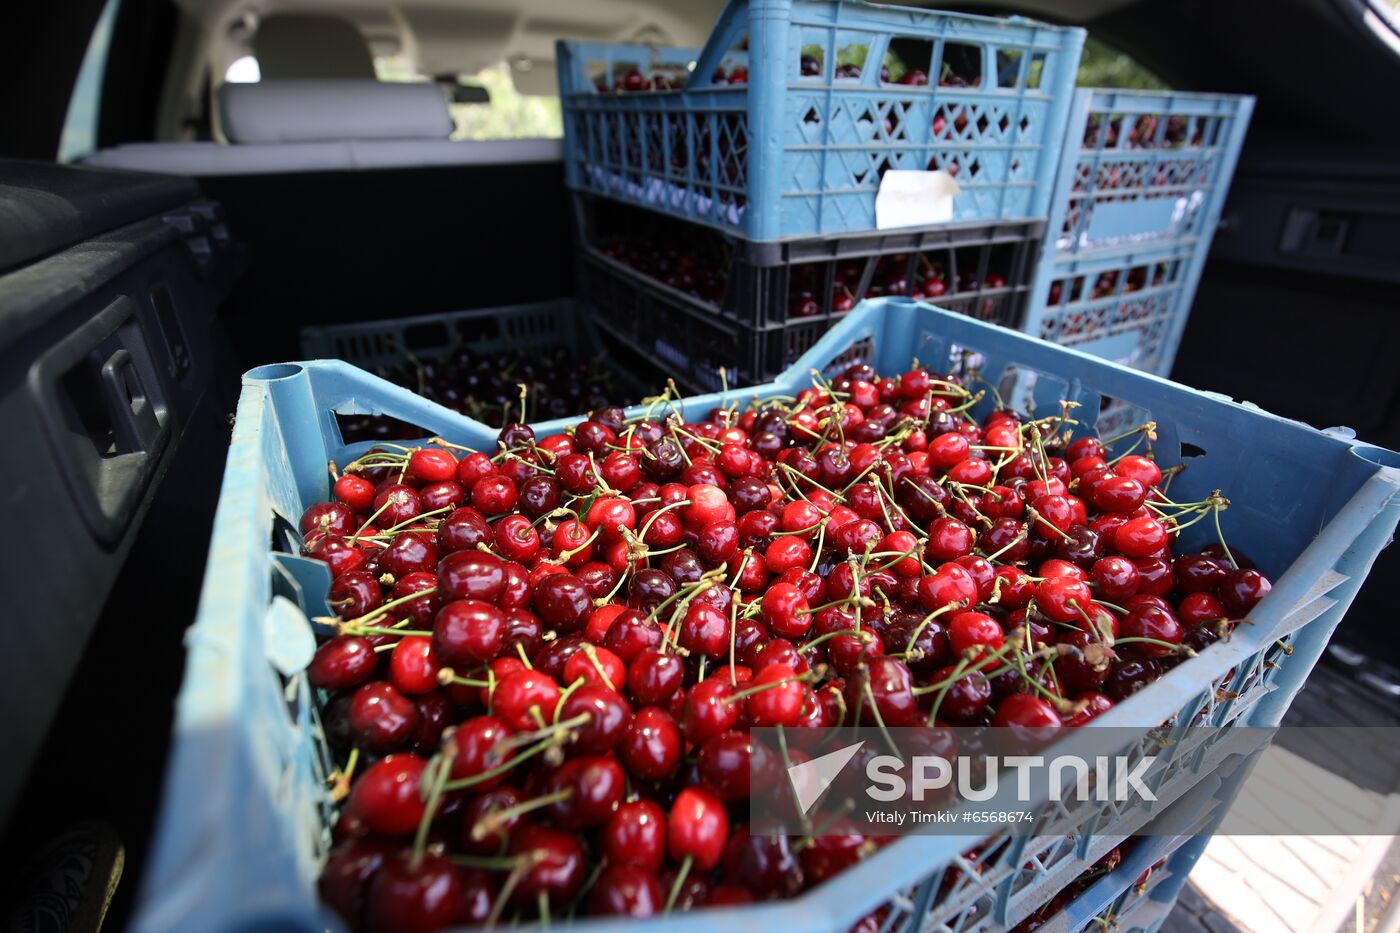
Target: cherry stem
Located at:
point(439, 780)
point(592, 654)
point(678, 883)
point(587, 542)
point(759, 688)
point(1021, 536)
point(943, 691)
point(492, 821)
point(385, 607)
point(924, 622)
point(366, 630)
point(869, 695)
point(370, 521)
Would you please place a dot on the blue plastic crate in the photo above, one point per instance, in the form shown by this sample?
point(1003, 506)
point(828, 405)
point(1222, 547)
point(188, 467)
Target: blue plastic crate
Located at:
point(243, 822)
point(1143, 167)
point(789, 153)
point(1129, 306)
point(1141, 185)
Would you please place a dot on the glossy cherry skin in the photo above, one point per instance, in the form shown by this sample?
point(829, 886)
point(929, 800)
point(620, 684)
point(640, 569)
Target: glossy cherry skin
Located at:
point(468, 632)
point(1024, 711)
point(344, 881)
point(421, 611)
point(763, 865)
point(333, 518)
point(1129, 676)
point(636, 835)
point(609, 714)
point(526, 700)
point(557, 864)
point(1148, 621)
point(654, 677)
point(471, 575)
point(386, 795)
point(966, 701)
point(708, 710)
point(381, 717)
point(626, 891)
point(652, 747)
point(463, 530)
point(562, 602)
point(339, 554)
point(479, 749)
point(1242, 590)
point(413, 665)
point(697, 828)
point(594, 786)
point(354, 595)
point(415, 897)
point(343, 662)
point(1063, 598)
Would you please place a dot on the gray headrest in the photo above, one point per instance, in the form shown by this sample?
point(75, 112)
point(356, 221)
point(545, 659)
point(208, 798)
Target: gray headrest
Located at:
point(315, 111)
point(307, 45)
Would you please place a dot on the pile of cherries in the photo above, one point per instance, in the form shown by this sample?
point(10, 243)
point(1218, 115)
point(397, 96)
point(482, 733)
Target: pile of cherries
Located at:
point(486, 387)
point(546, 658)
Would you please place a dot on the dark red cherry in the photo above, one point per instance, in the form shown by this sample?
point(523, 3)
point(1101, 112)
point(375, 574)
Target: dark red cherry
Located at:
point(626, 891)
point(556, 865)
point(381, 717)
point(415, 895)
point(343, 662)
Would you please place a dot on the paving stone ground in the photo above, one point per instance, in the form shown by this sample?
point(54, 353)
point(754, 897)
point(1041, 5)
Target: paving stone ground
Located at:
point(1301, 884)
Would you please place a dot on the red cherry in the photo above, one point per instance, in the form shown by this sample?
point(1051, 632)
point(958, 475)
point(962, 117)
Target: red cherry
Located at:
point(556, 865)
point(1026, 711)
point(697, 828)
point(1242, 590)
point(1140, 537)
point(651, 749)
point(468, 632)
point(413, 666)
point(1063, 598)
point(355, 492)
point(381, 717)
point(636, 835)
point(1153, 622)
point(432, 465)
point(479, 749)
point(597, 666)
point(343, 662)
point(623, 890)
point(415, 895)
point(974, 631)
point(526, 700)
point(386, 795)
point(779, 703)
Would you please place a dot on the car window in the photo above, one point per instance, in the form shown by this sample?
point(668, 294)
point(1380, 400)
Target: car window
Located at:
point(508, 115)
point(79, 137)
point(1104, 66)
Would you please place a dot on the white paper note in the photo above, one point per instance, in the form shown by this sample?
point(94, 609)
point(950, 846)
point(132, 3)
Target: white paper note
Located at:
point(911, 198)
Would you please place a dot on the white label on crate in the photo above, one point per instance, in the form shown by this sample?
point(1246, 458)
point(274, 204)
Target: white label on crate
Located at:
point(910, 199)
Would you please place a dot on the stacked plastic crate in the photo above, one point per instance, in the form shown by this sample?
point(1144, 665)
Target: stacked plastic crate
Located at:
point(774, 142)
point(1141, 185)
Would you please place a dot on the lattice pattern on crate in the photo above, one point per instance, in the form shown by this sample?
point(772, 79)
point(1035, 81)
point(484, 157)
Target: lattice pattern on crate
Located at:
point(1163, 166)
point(962, 95)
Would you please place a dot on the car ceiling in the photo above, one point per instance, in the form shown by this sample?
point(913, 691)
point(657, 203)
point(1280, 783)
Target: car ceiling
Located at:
point(450, 36)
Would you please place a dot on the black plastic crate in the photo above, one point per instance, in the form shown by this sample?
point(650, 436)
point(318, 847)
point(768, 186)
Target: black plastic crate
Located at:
point(697, 299)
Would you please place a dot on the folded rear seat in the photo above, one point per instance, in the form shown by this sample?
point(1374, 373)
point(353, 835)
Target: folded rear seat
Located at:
point(277, 127)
